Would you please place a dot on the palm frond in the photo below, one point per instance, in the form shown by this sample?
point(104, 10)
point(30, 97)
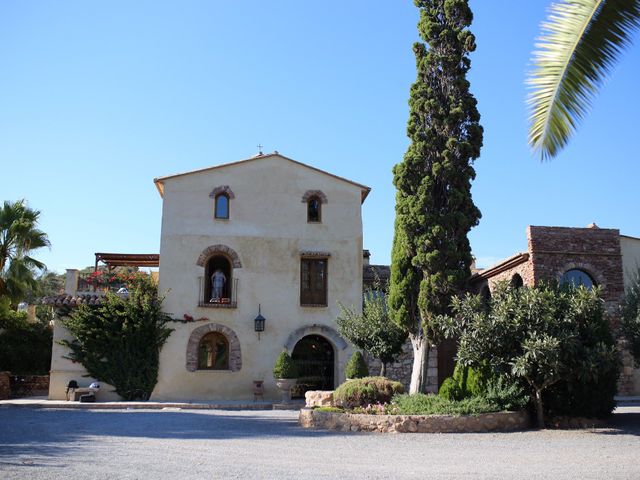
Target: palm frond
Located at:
point(581, 41)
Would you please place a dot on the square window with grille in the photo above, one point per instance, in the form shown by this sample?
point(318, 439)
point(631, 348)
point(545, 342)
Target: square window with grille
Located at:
point(313, 282)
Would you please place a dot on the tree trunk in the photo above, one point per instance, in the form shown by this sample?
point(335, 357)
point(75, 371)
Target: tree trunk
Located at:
point(420, 363)
point(383, 369)
point(539, 409)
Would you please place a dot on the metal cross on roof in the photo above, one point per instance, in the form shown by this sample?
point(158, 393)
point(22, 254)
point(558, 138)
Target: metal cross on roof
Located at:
point(259, 149)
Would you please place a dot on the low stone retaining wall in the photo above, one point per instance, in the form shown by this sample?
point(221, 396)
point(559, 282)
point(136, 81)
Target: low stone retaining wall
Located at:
point(487, 422)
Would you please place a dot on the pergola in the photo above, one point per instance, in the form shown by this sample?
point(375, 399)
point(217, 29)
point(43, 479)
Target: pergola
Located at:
point(112, 260)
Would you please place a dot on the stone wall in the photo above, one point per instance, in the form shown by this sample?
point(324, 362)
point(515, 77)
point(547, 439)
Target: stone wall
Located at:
point(554, 250)
point(488, 422)
point(400, 370)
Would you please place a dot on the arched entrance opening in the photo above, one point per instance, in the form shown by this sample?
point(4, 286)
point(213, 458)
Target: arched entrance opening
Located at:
point(315, 359)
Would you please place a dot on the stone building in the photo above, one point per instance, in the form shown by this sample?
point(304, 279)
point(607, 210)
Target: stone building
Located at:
point(254, 257)
point(588, 256)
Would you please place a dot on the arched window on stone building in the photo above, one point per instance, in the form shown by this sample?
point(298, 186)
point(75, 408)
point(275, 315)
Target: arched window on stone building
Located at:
point(213, 352)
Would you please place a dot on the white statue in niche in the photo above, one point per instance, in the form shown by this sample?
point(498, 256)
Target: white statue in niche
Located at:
point(218, 280)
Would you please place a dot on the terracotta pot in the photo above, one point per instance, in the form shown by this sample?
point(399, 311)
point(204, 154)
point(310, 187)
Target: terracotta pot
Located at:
point(285, 385)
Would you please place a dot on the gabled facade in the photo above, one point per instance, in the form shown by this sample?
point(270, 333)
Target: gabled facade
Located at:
point(268, 236)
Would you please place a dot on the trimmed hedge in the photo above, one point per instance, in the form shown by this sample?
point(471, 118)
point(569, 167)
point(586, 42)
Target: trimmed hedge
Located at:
point(361, 392)
point(285, 367)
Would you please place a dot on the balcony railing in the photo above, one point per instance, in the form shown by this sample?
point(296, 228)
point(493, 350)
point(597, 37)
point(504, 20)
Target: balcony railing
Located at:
point(87, 283)
point(228, 300)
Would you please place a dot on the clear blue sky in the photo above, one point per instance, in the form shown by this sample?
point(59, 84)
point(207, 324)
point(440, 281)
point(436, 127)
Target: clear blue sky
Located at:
point(98, 98)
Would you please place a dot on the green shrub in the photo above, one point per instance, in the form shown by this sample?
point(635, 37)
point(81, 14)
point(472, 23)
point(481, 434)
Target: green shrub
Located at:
point(284, 367)
point(421, 404)
point(329, 409)
point(356, 367)
point(466, 382)
point(25, 348)
point(506, 394)
point(450, 389)
point(556, 339)
point(364, 391)
point(119, 341)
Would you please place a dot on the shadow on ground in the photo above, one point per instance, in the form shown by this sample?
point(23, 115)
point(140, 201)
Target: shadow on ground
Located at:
point(50, 432)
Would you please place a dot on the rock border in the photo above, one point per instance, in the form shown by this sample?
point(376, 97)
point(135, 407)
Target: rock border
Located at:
point(486, 422)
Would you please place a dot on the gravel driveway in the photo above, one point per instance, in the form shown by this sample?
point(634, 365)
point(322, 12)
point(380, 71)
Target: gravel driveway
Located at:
point(184, 444)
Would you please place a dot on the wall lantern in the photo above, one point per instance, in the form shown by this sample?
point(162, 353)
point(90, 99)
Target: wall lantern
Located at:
point(258, 323)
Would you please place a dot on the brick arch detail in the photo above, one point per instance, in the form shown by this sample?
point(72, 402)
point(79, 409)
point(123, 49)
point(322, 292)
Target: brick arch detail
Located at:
point(223, 249)
point(235, 354)
point(222, 189)
point(325, 331)
point(585, 267)
point(314, 193)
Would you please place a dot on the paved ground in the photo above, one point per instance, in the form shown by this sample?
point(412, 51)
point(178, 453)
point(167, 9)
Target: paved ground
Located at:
point(183, 444)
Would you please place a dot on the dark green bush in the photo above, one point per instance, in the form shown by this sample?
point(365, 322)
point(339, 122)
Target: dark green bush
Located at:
point(466, 382)
point(119, 341)
point(361, 392)
point(450, 389)
point(506, 394)
point(356, 367)
point(285, 367)
point(25, 348)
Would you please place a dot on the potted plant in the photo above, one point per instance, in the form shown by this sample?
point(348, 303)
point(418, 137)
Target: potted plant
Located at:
point(286, 374)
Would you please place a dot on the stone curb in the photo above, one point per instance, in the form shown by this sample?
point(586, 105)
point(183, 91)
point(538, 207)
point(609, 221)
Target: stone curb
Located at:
point(487, 422)
point(138, 406)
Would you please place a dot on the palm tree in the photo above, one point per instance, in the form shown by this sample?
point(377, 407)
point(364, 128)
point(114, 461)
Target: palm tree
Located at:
point(581, 41)
point(18, 238)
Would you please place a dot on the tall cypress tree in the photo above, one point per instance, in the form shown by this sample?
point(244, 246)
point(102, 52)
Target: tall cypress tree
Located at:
point(434, 210)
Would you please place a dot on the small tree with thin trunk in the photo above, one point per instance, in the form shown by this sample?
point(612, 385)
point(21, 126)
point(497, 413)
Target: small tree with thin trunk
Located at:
point(541, 336)
point(431, 255)
point(372, 330)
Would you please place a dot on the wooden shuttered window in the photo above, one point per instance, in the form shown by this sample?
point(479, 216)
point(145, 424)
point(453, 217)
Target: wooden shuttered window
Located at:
point(313, 282)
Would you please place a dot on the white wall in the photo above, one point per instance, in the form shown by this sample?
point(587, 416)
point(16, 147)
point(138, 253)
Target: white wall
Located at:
point(268, 229)
point(630, 248)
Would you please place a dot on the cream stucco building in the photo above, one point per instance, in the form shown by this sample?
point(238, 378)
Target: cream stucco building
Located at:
point(265, 236)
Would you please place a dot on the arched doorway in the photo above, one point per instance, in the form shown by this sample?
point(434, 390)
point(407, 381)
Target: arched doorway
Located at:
point(314, 357)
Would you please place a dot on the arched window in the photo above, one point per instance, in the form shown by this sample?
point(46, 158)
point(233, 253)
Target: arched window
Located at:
point(516, 281)
point(222, 206)
point(576, 278)
point(314, 210)
point(217, 281)
point(213, 352)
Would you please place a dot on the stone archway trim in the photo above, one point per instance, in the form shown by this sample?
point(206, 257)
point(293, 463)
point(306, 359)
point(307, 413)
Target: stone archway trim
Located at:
point(222, 189)
point(322, 330)
point(587, 268)
point(314, 193)
point(213, 249)
point(235, 354)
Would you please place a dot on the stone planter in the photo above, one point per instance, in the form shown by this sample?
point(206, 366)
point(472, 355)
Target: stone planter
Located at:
point(486, 422)
point(285, 385)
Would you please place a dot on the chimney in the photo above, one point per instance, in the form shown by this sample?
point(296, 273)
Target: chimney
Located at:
point(365, 257)
point(71, 281)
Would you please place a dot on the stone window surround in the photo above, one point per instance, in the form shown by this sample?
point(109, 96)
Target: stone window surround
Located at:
point(598, 278)
point(193, 345)
point(219, 249)
point(222, 189)
point(314, 193)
